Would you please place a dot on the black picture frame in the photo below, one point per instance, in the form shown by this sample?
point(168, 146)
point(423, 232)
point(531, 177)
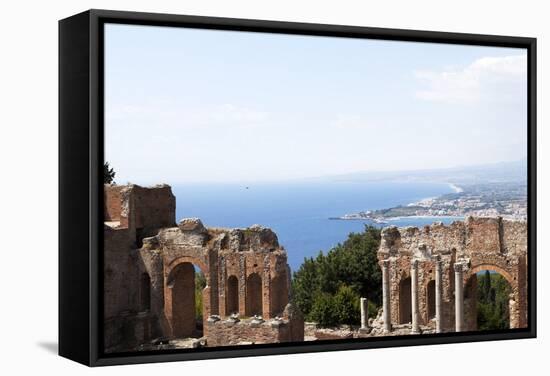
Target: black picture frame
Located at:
point(81, 182)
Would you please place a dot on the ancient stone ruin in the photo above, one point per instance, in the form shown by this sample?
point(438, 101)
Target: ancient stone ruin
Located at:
point(429, 275)
point(149, 277)
point(428, 278)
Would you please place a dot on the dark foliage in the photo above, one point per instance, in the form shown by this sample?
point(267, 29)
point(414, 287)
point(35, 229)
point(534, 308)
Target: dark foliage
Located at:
point(493, 295)
point(108, 174)
point(327, 288)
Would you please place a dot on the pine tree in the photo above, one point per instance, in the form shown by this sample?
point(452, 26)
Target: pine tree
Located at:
point(108, 174)
point(486, 286)
point(493, 302)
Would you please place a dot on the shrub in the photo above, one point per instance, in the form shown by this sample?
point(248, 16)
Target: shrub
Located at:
point(323, 311)
point(347, 305)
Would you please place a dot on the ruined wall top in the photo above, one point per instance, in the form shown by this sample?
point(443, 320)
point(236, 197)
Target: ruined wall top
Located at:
point(474, 234)
point(191, 232)
point(135, 207)
point(139, 207)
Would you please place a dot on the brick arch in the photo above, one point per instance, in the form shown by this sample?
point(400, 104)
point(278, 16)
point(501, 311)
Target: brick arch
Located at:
point(189, 259)
point(513, 283)
point(430, 299)
point(404, 274)
point(232, 294)
point(173, 290)
point(493, 267)
point(396, 278)
point(254, 295)
point(182, 300)
point(405, 308)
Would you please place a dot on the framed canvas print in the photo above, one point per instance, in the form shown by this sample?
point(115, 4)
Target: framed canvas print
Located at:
point(234, 187)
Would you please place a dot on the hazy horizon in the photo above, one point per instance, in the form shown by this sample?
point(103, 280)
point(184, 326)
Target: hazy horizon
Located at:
point(188, 105)
point(378, 176)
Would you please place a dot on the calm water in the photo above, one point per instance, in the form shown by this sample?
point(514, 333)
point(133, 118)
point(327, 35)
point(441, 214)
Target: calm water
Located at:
point(299, 212)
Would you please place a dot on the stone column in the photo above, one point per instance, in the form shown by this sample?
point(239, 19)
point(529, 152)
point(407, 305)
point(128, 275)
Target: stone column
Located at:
point(386, 300)
point(414, 297)
point(438, 293)
point(364, 313)
point(459, 297)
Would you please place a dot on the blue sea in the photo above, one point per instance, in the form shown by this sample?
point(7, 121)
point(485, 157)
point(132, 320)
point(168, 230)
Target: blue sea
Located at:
point(299, 212)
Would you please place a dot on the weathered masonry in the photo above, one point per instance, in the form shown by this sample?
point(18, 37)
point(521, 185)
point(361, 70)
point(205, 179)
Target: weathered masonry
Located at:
point(429, 275)
point(149, 276)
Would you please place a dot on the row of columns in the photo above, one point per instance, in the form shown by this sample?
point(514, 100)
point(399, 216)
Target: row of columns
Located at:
point(459, 269)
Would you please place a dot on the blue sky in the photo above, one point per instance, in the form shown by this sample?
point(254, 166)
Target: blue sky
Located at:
point(187, 105)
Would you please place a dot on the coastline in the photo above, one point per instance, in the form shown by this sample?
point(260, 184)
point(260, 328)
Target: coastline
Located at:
point(368, 214)
point(298, 213)
point(478, 200)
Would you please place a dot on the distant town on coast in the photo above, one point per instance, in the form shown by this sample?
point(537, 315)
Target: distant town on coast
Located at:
point(482, 191)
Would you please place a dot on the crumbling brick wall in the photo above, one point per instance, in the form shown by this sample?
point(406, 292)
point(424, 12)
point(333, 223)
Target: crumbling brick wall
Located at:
point(154, 207)
point(145, 245)
point(481, 243)
point(112, 202)
point(247, 331)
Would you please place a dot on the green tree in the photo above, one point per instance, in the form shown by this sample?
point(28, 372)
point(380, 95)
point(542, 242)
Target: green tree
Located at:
point(484, 287)
point(501, 299)
point(324, 311)
point(304, 279)
point(493, 297)
point(108, 174)
point(348, 305)
point(348, 271)
point(356, 263)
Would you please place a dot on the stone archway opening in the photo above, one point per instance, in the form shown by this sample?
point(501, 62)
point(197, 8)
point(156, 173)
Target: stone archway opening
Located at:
point(405, 306)
point(188, 283)
point(232, 295)
point(254, 301)
point(430, 299)
point(489, 293)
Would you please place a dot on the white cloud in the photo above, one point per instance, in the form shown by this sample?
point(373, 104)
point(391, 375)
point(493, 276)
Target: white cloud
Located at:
point(488, 79)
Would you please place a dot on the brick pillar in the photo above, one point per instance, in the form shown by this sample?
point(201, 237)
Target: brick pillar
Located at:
point(242, 285)
point(415, 328)
point(266, 288)
point(438, 294)
point(168, 309)
point(521, 297)
point(222, 276)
